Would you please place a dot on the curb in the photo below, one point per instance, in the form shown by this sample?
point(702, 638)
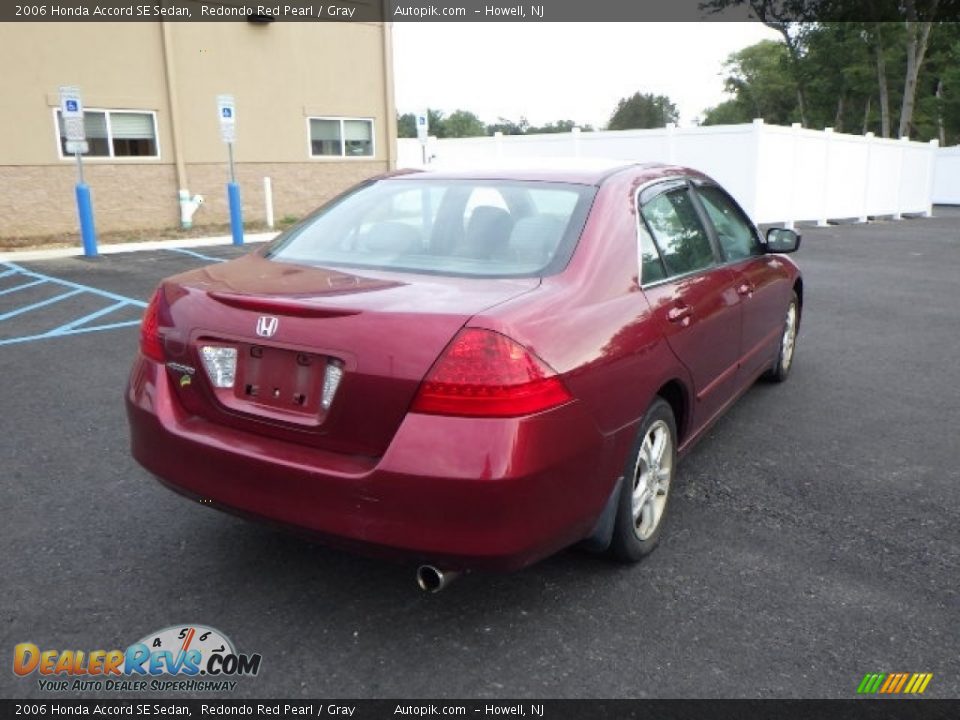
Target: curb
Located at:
point(112, 249)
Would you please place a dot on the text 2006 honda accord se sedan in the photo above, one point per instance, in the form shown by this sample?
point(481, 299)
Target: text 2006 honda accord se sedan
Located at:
point(471, 370)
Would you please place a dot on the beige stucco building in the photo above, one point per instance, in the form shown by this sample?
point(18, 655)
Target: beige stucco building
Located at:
point(314, 108)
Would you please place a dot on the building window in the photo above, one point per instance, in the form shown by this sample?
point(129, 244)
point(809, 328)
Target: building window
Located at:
point(116, 133)
point(341, 137)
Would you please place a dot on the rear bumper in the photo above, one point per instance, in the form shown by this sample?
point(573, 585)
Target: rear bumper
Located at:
point(461, 492)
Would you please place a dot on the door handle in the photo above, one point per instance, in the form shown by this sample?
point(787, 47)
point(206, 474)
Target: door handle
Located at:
point(745, 289)
point(680, 313)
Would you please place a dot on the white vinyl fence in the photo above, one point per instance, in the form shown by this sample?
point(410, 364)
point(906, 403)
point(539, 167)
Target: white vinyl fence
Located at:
point(946, 180)
point(779, 174)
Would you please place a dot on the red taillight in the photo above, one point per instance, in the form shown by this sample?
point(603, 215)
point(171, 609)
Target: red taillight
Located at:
point(151, 344)
point(485, 374)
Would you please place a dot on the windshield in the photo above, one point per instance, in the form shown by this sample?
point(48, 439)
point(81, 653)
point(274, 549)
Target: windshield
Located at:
point(481, 228)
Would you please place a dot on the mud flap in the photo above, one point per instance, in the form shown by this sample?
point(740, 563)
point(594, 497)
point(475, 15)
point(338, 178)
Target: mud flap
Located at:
point(599, 538)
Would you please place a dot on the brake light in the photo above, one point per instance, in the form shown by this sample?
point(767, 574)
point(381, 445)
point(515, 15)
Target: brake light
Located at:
point(151, 344)
point(485, 374)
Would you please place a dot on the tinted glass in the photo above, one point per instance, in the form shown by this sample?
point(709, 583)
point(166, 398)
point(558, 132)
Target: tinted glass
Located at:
point(325, 137)
point(455, 227)
point(678, 232)
point(95, 129)
point(651, 267)
point(735, 233)
point(358, 137)
point(133, 134)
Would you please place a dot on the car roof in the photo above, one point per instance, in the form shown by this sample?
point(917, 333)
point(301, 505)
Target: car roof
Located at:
point(582, 171)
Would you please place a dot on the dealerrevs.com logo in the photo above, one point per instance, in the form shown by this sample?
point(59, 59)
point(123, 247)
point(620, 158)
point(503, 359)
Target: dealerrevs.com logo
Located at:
point(179, 658)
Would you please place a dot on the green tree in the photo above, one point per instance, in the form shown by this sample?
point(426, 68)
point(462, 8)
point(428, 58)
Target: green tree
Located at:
point(558, 126)
point(406, 125)
point(643, 110)
point(905, 27)
point(729, 112)
point(437, 123)
point(841, 79)
point(508, 127)
point(761, 86)
point(937, 114)
point(462, 123)
point(948, 102)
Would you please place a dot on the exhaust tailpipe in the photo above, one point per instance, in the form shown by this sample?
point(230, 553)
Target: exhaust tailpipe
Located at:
point(432, 579)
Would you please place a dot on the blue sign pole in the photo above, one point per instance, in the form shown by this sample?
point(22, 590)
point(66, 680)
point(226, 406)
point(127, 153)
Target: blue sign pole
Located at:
point(236, 208)
point(88, 231)
point(236, 213)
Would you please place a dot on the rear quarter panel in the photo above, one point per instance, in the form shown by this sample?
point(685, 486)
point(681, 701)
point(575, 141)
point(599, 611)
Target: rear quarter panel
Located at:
point(593, 325)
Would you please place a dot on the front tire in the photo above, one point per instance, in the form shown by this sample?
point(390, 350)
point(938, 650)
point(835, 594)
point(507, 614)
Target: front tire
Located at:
point(645, 491)
point(788, 342)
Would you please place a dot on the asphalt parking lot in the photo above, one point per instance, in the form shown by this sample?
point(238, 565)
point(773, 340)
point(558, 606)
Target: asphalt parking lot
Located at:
point(813, 535)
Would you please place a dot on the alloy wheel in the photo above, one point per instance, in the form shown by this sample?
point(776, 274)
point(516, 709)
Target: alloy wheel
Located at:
point(651, 479)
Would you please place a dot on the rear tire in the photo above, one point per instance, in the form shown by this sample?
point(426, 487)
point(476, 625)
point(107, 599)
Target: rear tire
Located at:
point(788, 342)
point(645, 492)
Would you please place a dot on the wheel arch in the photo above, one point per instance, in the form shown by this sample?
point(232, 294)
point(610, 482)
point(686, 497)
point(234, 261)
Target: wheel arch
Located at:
point(798, 289)
point(677, 397)
point(674, 392)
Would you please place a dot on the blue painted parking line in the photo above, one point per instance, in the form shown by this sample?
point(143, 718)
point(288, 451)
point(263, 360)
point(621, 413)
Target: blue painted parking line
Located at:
point(42, 303)
point(87, 318)
point(78, 331)
point(73, 327)
point(22, 287)
point(67, 283)
point(111, 326)
point(184, 251)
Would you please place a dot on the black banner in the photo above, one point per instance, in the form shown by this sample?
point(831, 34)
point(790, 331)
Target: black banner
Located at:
point(265, 12)
point(858, 709)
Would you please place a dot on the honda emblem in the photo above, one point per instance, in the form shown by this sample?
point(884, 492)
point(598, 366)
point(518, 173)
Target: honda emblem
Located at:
point(267, 326)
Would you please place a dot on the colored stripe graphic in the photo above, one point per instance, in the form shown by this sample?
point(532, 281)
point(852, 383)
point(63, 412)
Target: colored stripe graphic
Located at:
point(894, 683)
point(867, 683)
point(871, 683)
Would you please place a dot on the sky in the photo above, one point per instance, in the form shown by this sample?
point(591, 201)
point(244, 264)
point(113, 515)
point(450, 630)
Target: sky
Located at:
point(563, 71)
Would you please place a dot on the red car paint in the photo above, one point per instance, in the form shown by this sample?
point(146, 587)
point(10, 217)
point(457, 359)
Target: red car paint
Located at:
point(462, 492)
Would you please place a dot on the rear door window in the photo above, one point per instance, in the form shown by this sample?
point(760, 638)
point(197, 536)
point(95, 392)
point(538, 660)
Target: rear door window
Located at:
point(651, 266)
point(678, 232)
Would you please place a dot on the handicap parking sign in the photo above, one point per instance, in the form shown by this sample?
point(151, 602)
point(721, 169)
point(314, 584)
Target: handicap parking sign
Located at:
point(71, 104)
point(423, 127)
point(227, 111)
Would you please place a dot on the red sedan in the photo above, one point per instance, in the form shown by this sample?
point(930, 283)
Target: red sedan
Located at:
point(473, 370)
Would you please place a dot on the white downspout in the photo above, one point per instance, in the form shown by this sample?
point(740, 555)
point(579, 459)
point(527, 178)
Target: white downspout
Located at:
point(188, 204)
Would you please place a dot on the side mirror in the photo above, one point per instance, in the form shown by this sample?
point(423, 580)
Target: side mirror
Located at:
point(782, 240)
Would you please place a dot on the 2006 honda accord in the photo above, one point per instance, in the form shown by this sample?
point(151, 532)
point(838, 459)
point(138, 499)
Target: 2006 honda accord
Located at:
point(473, 370)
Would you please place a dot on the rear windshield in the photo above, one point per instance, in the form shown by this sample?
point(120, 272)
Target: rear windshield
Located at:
point(485, 228)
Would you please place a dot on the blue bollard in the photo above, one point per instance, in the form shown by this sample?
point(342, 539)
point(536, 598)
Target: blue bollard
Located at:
point(87, 230)
point(236, 213)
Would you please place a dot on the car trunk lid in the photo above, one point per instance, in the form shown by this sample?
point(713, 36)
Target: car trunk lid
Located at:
point(326, 357)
